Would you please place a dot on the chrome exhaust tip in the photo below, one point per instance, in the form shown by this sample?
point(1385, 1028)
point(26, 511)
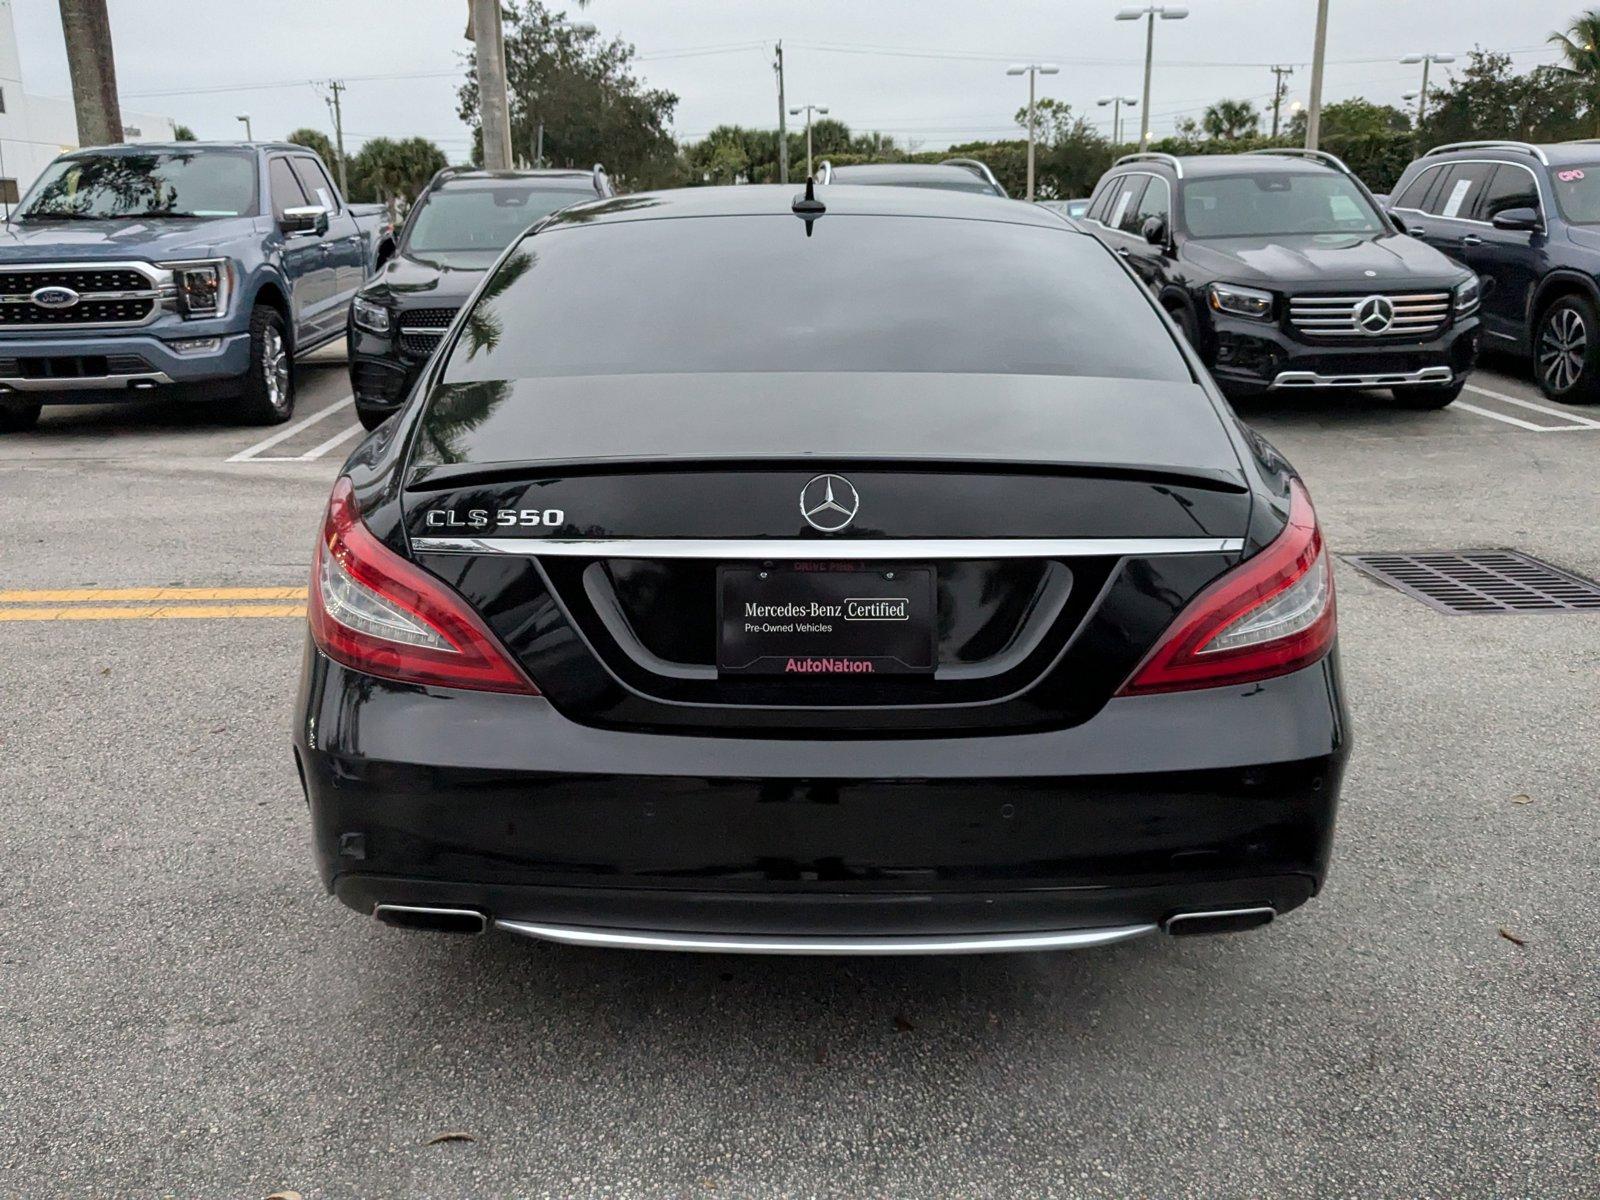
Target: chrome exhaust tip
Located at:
point(433, 920)
point(1220, 920)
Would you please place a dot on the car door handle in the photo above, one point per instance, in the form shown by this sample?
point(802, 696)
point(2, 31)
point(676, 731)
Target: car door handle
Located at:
point(1124, 251)
point(1472, 239)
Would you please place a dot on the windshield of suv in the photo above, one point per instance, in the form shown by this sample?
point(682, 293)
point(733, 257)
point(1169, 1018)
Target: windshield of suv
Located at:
point(1578, 192)
point(1276, 203)
point(175, 183)
point(465, 222)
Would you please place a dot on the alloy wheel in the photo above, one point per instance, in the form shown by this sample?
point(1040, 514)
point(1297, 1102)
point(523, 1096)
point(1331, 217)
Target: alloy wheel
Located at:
point(275, 368)
point(1563, 345)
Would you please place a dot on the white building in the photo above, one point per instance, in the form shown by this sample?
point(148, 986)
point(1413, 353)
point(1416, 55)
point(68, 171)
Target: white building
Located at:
point(34, 129)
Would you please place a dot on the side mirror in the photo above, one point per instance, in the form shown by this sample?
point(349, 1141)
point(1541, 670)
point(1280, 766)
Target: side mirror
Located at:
point(310, 218)
point(385, 252)
point(1517, 218)
point(1154, 230)
point(1399, 221)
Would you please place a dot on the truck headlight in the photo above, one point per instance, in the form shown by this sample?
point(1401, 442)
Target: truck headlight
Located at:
point(201, 288)
point(1241, 301)
point(1467, 296)
point(374, 318)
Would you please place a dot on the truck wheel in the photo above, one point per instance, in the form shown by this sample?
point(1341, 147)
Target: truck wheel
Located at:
point(18, 415)
point(1428, 395)
point(1566, 351)
point(268, 394)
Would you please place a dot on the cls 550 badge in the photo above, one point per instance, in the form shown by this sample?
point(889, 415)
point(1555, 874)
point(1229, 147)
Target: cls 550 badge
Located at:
point(496, 518)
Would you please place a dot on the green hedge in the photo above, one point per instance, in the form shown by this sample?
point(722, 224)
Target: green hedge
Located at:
point(1072, 169)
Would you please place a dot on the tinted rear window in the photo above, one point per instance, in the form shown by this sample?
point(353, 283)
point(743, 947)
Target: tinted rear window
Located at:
point(754, 293)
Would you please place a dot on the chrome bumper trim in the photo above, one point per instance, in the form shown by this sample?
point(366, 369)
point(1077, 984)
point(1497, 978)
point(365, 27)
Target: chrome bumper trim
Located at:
point(853, 548)
point(90, 383)
point(721, 943)
point(1310, 379)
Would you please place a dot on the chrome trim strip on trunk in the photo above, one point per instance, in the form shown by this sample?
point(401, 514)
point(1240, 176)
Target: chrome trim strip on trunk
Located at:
point(1310, 379)
point(854, 549)
point(733, 943)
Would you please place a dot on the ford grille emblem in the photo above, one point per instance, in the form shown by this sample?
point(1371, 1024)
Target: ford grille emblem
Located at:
point(829, 503)
point(54, 297)
point(1374, 315)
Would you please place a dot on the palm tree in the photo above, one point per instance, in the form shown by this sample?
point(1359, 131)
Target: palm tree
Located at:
point(1231, 120)
point(1580, 46)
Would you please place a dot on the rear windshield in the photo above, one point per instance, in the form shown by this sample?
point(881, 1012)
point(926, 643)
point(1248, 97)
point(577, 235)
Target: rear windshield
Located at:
point(1275, 203)
point(462, 219)
point(196, 183)
point(863, 293)
point(1578, 192)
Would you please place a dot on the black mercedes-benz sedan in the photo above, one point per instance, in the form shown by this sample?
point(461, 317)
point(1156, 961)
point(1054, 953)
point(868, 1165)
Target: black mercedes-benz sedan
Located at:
point(874, 572)
point(453, 234)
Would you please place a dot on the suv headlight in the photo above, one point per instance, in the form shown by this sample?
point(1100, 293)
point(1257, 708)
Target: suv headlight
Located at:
point(374, 318)
point(1241, 301)
point(1467, 296)
point(201, 288)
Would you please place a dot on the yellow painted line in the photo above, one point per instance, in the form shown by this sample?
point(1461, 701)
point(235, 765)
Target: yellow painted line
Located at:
point(109, 595)
point(152, 612)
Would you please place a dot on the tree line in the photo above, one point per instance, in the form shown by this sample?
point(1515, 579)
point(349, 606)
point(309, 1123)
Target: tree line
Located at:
point(582, 92)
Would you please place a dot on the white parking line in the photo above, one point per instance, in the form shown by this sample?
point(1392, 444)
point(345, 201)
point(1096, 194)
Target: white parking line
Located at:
point(341, 436)
point(1574, 420)
point(1517, 421)
point(284, 434)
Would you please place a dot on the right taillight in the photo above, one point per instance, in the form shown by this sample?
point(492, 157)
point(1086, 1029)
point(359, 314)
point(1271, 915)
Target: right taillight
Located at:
point(375, 612)
point(1272, 614)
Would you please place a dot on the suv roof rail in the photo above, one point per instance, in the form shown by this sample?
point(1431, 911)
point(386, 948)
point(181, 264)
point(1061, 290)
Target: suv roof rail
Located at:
point(1491, 144)
point(1153, 156)
point(1322, 156)
point(824, 172)
point(977, 166)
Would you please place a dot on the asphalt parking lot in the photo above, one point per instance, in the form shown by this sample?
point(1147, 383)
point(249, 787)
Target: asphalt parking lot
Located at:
point(184, 1013)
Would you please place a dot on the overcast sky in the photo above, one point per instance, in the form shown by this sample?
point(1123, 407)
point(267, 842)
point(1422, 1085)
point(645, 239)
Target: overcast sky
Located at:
point(926, 71)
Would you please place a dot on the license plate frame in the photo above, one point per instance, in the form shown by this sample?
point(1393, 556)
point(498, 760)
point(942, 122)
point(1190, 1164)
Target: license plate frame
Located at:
point(827, 620)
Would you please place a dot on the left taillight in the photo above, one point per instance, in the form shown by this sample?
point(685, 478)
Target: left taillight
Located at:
point(1272, 614)
point(377, 613)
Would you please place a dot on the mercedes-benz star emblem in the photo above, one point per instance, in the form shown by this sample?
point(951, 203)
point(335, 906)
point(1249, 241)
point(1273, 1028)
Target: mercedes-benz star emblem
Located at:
point(1374, 315)
point(54, 297)
point(829, 503)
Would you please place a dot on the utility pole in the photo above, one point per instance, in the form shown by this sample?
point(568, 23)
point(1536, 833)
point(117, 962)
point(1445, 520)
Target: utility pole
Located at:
point(335, 87)
point(1279, 90)
point(494, 110)
point(1032, 71)
point(93, 71)
point(783, 121)
point(1318, 53)
point(808, 109)
point(538, 148)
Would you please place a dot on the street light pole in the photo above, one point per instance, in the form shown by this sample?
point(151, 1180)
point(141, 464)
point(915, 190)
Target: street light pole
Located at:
point(1032, 71)
point(1319, 51)
point(245, 117)
point(1118, 103)
point(808, 109)
point(1422, 97)
point(1167, 12)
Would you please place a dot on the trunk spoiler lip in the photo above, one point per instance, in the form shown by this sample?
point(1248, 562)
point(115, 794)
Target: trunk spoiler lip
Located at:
point(441, 477)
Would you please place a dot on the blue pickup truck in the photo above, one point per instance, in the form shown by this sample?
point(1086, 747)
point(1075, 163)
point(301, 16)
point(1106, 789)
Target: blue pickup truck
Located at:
point(205, 268)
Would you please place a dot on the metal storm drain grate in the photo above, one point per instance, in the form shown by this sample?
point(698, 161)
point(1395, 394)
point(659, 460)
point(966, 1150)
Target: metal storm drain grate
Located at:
point(1481, 581)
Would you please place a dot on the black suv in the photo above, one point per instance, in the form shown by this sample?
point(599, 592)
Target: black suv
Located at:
point(1285, 274)
point(1526, 219)
point(454, 233)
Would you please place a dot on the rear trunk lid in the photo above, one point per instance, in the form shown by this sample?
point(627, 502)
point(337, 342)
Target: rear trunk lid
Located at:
point(612, 529)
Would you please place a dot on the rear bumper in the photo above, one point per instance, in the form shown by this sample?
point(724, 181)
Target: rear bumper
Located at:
point(1204, 800)
point(1248, 356)
point(93, 370)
